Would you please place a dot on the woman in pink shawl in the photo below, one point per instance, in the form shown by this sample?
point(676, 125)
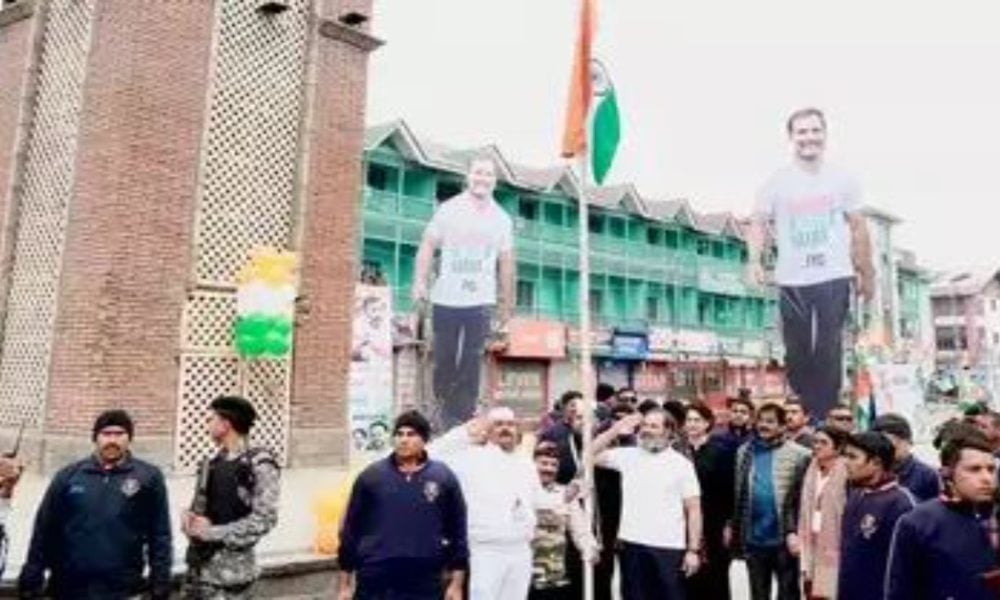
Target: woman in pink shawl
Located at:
point(824, 494)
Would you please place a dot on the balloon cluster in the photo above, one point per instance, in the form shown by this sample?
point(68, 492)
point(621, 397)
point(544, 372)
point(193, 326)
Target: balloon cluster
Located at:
point(265, 304)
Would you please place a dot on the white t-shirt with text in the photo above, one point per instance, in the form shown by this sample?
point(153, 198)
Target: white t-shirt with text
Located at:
point(471, 235)
point(654, 488)
point(809, 212)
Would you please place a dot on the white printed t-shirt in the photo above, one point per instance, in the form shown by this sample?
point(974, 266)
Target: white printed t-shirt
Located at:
point(471, 236)
point(654, 488)
point(809, 211)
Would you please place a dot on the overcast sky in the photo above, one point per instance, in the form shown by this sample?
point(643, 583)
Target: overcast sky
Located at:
point(911, 88)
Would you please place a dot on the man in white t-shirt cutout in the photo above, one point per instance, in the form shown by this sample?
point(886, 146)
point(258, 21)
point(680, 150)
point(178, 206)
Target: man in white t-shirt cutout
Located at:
point(476, 242)
point(823, 246)
point(661, 525)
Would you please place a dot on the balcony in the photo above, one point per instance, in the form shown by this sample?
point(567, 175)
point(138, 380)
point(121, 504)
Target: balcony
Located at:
point(390, 204)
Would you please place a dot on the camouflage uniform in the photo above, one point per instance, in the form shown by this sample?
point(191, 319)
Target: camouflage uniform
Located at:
point(225, 567)
point(549, 544)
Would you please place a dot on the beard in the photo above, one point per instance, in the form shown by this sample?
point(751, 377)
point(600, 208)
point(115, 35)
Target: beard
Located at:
point(652, 444)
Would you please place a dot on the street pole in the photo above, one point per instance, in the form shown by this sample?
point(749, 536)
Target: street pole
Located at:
point(587, 384)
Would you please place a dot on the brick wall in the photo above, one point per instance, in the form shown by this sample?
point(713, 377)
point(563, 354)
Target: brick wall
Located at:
point(330, 221)
point(127, 255)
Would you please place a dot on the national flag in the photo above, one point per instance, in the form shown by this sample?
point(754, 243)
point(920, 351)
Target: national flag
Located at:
point(580, 85)
point(606, 125)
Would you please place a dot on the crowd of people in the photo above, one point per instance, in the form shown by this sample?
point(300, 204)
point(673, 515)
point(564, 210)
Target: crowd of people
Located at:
point(813, 507)
point(103, 530)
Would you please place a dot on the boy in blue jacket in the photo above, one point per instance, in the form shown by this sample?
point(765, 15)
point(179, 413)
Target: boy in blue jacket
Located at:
point(947, 548)
point(875, 503)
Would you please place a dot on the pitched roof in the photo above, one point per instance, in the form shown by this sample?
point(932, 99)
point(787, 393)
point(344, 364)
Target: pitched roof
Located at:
point(720, 223)
point(965, 283)
point(545, 179)
point(671, 210)
point(619, 196)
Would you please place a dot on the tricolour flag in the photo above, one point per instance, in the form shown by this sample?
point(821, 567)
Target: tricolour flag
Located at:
point(606, 125)
point(580, 85)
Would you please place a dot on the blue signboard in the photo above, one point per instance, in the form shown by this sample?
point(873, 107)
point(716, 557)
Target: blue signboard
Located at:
point(630, 346)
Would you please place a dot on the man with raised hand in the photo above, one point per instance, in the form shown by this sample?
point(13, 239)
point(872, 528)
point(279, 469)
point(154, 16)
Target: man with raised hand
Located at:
point(502, 493)
point(661, 526)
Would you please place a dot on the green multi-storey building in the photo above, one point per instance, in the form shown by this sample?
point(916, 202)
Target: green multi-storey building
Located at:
point(671, 308)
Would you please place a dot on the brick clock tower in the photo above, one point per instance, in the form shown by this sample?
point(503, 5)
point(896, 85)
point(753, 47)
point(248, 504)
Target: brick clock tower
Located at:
point(145, 148)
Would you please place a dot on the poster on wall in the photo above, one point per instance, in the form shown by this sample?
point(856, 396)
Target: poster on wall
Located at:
point(897, 389)
point(370, 379)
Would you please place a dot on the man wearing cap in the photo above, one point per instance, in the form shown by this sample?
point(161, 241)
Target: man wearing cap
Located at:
point(235, 505)
point(405, 527)
point(915, 475)
point(502, 492)
point(102, 521)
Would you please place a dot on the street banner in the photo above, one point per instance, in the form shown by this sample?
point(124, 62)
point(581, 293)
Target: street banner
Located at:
point(370, 381)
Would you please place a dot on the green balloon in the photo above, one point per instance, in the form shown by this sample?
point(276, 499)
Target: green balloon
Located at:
point(279, 348)
point(249, 345)
point(282, 325)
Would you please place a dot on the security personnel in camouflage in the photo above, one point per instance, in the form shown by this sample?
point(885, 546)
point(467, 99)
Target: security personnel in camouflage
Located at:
point(549, 578)
point(235, 505)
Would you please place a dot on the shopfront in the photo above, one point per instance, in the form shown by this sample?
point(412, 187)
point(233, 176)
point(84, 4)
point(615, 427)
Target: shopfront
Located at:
point(519, 376)
point(624, 357)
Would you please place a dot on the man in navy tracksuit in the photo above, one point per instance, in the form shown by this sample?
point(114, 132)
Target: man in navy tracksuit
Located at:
point(101, 521)
point(922, 480)
point(947, 548)
point(874, 505)
point(405, 527)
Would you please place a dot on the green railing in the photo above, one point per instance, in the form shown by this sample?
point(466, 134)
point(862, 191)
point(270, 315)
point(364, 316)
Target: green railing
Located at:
point(387, 203)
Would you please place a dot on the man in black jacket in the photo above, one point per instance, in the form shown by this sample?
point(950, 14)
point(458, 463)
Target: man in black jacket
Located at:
point(101, 521)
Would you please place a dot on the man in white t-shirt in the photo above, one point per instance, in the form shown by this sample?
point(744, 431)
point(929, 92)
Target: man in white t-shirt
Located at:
point(475, 237)
point(661, 525)
point(823, 245)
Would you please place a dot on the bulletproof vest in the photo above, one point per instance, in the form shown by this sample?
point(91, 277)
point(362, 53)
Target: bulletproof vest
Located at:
point(229, 490)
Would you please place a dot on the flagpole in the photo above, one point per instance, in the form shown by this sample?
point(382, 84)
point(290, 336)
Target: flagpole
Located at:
point(587, 382)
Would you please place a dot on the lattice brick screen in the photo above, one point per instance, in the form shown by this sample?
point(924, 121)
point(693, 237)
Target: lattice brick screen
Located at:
point(249, 169)
point(43, 206)
point(203, 377)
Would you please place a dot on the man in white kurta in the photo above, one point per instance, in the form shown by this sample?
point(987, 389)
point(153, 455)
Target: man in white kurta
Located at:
point(502, 493)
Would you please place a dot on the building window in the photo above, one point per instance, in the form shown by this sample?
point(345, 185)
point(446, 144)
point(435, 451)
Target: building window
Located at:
point(378, 177)
point(527, 209)
point(596, 302)
point(526, 295)
point(653, 309)
point(447, 189)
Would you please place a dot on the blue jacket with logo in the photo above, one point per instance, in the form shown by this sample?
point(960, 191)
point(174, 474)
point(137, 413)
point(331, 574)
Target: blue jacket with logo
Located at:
point(866, 533)
point(401, 531)
point(94, 530)
point(941, 550)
